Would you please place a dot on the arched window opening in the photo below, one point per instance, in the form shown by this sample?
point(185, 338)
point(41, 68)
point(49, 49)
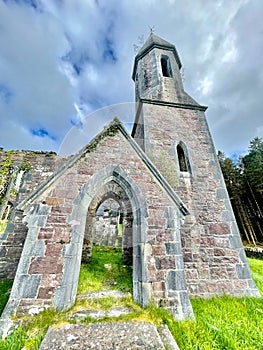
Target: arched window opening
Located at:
point(166, 66)
point(182, 158)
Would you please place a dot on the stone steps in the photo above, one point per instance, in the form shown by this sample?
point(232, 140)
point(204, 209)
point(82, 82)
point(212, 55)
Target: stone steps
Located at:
point(114, 335)
point(109, 336)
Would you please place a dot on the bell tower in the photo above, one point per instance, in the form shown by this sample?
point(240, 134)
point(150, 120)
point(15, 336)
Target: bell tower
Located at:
point(157, 71)
point(171, 127)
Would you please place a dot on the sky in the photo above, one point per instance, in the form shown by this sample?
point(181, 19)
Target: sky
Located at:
point(68, 63)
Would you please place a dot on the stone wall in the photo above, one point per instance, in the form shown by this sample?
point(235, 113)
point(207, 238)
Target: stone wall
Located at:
point(49, 265)
point(214, 256)
point(107, 229)
point(43, 165)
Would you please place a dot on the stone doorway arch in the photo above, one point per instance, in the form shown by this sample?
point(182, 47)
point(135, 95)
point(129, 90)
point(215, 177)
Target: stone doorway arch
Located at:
point(111, 190)
point(110, 181)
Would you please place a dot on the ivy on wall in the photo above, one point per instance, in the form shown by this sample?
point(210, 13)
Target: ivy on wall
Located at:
point(8, 170)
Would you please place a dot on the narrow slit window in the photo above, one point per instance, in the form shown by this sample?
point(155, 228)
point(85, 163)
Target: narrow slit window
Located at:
point(166, 66)
point(181, 158)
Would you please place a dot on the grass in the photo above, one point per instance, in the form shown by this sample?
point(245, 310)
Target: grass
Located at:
point(224, 323)
point(106, 271)
point(3, 227)
point(221, 323)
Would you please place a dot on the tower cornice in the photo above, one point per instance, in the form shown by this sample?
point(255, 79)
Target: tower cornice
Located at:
point(196, 107)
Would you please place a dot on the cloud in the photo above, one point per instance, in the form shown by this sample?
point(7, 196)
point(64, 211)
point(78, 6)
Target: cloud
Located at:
point(56, 55)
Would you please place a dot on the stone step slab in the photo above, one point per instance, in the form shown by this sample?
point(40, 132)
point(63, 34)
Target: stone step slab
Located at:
point(99, 314)
point(105, 336)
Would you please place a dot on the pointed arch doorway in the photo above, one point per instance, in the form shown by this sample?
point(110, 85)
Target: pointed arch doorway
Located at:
point(110, 182)
point(110, 191)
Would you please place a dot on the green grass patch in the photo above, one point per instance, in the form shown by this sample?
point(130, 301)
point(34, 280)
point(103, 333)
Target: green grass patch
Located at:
point(256, 266)
point(5, 289)
point(224, 323)
point(106, 271)
point(3, 226)
point(221, 323)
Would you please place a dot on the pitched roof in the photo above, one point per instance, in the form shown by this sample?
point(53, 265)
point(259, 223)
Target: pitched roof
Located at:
point(110, 130)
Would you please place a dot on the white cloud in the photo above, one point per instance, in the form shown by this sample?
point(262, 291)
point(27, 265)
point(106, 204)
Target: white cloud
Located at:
point(205, 85)
point(81, 52)
point(230, 51)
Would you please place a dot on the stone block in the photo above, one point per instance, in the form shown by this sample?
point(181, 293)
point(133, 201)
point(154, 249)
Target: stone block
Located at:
point(158, 286)
point(45, 292)
point(23, 265)
point(54, 249)
point(36, 248)
point(158, 250)
point(56, 219)
point(212, 287)
point(47, 264)
point(219, 229)
point(227, 216)
point(173, 248)
point(235, 241)
point(243, 271)
point(51, 280)
point(176, 280)
point(72, 249)
point(219, 252)
point(165, 262)
point(2, 252)
point(191, 274)
point(221, 193)
point(179, 262)
point(25, 286)
point(36, 221)
point(188, 257)
point(207, 241)
point(54, 201)
point(240, 284)
point(187, 310)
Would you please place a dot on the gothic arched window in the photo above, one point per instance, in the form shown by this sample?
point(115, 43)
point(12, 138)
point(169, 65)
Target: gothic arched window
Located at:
point(183, 160)
point(166, 66)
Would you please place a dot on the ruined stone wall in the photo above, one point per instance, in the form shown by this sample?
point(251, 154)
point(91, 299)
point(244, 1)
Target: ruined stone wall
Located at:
point(43, 165)
point(106, 230)
point(52, 243)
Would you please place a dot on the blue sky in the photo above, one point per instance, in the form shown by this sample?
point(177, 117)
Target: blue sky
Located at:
point(62, 60)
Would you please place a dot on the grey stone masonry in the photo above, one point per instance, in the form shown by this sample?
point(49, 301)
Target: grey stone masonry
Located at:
point(58, 217)
point(178, 228)
point(170, 123)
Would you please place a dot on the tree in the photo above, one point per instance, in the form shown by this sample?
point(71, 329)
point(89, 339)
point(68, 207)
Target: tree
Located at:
point(244, 182)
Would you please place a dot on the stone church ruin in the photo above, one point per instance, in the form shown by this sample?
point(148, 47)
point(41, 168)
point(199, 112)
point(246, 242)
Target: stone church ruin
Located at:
point(178, 229)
